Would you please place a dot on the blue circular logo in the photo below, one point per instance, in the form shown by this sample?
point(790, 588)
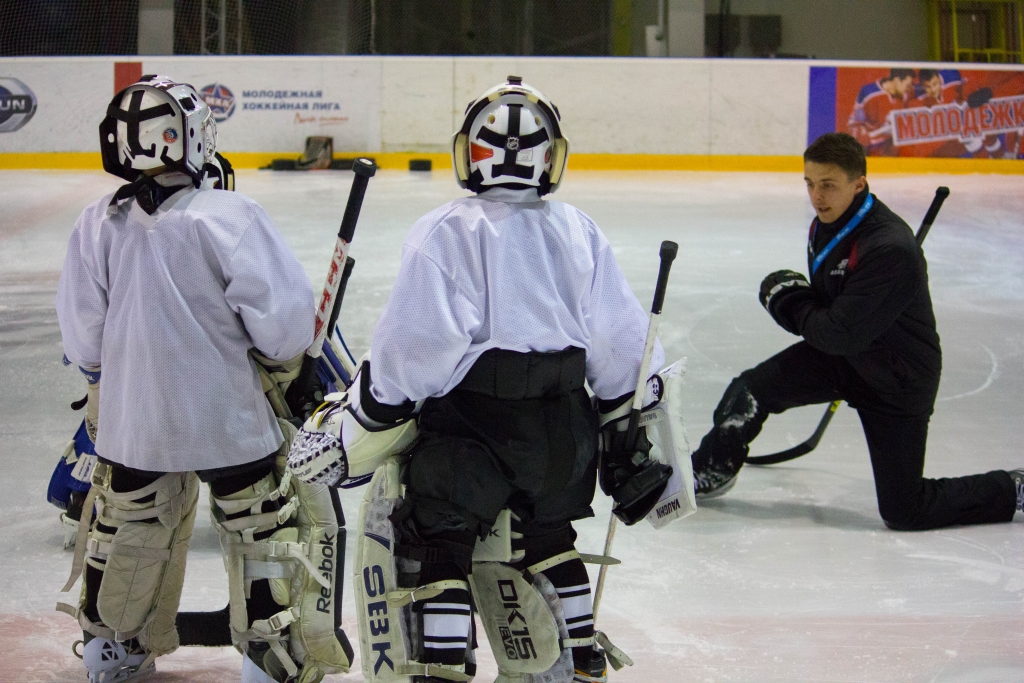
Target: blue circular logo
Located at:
point(17, 104)
point(220, 100)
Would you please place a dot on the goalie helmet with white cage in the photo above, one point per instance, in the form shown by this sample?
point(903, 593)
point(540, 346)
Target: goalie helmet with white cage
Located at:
point(157, 122)
point(510, 137)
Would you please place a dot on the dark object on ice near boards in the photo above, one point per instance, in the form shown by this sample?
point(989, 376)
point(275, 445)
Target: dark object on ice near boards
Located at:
point(307, 392)
point(420, 165)
point(318, 155)
point(811, 443)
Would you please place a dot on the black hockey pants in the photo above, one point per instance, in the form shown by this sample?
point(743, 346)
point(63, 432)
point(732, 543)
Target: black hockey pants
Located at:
point(518, 432)
point(896, 429)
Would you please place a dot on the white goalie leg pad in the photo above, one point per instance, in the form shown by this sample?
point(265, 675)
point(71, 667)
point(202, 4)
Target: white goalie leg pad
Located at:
point(384, 643)
point(520, 625)
point(388, 629)
point(526, 625)
point(303, 560)
point(143, 561)
point(318, 642)
point(667, 434)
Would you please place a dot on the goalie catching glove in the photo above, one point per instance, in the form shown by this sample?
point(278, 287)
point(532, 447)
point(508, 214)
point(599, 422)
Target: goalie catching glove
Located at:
point(340, 445)
point(630, 476)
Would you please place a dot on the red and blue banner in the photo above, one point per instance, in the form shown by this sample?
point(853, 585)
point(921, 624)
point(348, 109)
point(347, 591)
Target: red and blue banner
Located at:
point(921, 112)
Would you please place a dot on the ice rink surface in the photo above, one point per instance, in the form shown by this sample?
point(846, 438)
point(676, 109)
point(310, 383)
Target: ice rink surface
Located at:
point(790, 577)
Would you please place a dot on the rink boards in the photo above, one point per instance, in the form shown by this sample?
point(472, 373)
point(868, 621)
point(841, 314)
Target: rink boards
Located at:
point(651, 114)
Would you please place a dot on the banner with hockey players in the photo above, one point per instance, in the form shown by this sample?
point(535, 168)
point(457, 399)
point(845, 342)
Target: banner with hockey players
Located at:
point(921, 112)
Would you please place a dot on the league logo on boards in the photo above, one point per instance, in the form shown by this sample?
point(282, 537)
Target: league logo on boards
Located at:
point(17, 104)
point(220, 100)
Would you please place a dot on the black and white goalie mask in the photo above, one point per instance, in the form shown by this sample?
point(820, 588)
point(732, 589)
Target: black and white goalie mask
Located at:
point(157, 122)
point(510, 137)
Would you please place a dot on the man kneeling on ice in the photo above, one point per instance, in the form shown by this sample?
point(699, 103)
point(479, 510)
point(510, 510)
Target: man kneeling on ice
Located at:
point(869, 339)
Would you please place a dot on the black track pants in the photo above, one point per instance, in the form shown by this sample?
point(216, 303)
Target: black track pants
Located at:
point(896, 427)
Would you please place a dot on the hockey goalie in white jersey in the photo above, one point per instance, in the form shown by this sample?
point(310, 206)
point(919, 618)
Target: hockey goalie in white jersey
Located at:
point(182, 305)
point(504, 306)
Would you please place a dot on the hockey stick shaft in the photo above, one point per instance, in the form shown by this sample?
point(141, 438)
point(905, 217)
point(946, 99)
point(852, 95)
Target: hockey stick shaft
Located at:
point(350, 263)
point(933, 211)
point(364, 169)
point(810, 444)
point(667, 254)
point(305, 390)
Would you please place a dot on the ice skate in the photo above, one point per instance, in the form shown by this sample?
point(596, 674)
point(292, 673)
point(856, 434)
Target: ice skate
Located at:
point(713, 482)
point(109, 661)
point(1018, 481)
point(593, 671)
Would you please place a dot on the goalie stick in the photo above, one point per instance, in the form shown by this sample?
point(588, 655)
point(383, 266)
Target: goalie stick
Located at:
point(306, 390)
point(668, 254)
point(811, 443)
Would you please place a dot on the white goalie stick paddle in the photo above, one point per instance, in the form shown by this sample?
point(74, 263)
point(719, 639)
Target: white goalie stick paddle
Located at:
point(668, 254)
point(811, 443)
point(305, 390)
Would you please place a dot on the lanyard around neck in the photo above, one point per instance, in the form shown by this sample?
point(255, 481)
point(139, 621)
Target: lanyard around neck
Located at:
point(847, 229)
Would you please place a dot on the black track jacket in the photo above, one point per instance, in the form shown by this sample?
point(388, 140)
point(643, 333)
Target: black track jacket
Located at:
point(873, 307)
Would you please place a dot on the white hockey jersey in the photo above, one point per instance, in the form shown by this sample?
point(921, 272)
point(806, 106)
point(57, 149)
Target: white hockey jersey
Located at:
point(506, 270)
point(169, 305)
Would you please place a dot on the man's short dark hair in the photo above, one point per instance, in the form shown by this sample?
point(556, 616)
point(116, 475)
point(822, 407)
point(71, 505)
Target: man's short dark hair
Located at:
point(899, 73)
point(840, 149)
point(925, 75)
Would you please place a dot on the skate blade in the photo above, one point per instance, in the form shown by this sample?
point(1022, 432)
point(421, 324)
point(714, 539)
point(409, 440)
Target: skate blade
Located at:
point(126, 674)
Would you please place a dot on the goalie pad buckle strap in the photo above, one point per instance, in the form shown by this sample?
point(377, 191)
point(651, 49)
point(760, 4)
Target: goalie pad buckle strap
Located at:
point(616, 657)
point(434, 671)
point(102, 550)
point(553, 561)
point(403, 596)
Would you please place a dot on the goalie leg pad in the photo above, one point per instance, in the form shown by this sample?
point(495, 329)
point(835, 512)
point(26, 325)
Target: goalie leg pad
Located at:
point(283, 547)
point(518, 620)
point(388, 614)
point(136, 553)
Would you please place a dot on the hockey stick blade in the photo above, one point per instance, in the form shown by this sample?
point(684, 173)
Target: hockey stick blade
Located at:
point(810, 444)
point(801, 448)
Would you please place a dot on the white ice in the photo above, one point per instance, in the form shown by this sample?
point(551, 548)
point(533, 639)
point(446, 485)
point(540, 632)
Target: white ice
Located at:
point(790, 577)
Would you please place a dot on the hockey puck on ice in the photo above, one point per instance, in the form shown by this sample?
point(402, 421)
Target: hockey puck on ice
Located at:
point(420, 165)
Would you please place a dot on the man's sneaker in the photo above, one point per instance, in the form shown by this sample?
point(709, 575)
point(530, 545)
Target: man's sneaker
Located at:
point(594, 670)
point(713, 482)
point(1018, 481)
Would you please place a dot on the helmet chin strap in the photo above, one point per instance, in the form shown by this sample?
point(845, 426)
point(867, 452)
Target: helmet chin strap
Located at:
point(152, 191)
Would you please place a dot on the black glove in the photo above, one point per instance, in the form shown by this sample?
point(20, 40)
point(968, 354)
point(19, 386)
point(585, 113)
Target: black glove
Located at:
point(633, 480)
point(979, 97)
point(781, 294)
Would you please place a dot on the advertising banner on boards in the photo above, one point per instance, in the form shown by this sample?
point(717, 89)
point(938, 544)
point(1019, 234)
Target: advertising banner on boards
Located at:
point(921, 112)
